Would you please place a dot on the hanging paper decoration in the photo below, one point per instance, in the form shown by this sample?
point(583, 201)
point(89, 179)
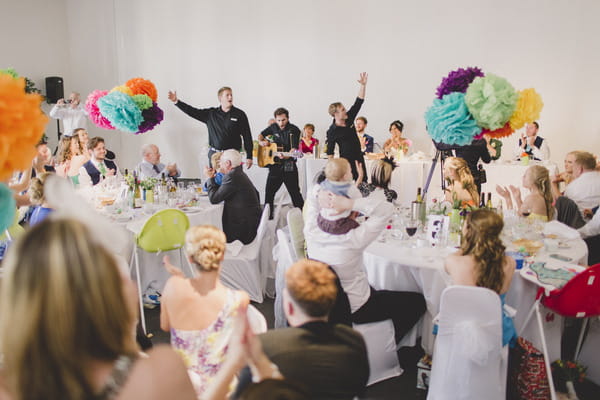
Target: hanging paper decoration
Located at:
point(470, 104)
point(22, 124)
point(131, 107)
point(8, 207)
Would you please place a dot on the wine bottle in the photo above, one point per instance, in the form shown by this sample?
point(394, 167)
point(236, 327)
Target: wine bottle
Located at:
point(489, 204)
point(419, 198)
point(482, 200)
point(137, 193)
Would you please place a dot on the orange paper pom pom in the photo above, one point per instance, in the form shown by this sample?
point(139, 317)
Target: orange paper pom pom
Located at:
point(142, 86)
point(505, 131)
point(22, 124)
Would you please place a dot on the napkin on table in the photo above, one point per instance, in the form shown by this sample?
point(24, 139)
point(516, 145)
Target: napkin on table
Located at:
point(561, 230)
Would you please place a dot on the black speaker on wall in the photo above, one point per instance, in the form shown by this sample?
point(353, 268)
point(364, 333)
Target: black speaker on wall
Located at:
point(54, 89)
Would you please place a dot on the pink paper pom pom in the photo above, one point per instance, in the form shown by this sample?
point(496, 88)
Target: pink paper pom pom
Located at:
point(93, 111)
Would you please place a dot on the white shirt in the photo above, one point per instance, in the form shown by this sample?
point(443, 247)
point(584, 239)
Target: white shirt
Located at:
point(585, 190)
point(592, 228)
point(72, 118)
point(146, 170)
point(86, 180)
point(542, 153)
point(345, 252)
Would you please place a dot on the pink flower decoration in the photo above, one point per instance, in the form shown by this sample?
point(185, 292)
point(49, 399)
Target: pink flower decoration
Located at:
point(93, 111)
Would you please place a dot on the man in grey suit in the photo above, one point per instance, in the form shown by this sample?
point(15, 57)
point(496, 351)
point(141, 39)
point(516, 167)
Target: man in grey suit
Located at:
point(329, 360)
point(241, 209)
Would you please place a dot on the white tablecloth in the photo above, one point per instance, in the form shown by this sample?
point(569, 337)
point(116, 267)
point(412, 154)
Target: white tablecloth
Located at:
point(392, 267)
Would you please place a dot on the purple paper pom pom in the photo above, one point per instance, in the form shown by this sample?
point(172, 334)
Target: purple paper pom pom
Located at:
point(152, 117)
point(458, 81)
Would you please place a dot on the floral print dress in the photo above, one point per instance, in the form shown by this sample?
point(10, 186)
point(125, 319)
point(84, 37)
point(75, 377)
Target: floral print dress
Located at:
point(203, 351)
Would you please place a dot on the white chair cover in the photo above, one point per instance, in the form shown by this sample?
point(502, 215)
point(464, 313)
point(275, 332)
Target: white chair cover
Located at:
point(296, 226)
point(257, 321)
point(468, 356)
point(285, 259)
point(245, 271)
point(381, 350)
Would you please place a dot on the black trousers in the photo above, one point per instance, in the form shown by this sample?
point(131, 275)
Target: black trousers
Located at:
point(403, 308)
point(277, 177)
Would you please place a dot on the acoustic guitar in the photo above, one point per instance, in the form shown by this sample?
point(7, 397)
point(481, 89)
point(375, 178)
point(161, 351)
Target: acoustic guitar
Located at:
point(269, 155)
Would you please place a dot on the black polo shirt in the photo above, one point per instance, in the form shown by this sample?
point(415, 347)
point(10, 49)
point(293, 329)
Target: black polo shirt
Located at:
point(225, 129)
point(287, 138)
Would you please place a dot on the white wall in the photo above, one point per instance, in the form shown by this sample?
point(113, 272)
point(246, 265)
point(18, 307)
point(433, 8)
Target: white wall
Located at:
point(305, 55)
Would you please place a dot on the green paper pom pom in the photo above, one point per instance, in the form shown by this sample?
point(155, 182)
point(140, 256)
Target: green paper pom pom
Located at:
point(9, 71)
point(142, 101)
point(491, 100)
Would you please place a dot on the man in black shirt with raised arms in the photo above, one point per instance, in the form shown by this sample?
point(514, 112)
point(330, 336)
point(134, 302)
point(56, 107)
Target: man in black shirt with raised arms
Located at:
point(343, 132)
point(227, 125)
point(287, 137)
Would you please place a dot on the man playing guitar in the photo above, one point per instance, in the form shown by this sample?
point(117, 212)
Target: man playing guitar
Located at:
point(287, 137)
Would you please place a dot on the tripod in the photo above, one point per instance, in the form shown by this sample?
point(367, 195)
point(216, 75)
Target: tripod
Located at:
point(440, 155)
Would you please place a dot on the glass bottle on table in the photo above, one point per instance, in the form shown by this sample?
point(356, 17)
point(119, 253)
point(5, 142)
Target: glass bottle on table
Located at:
point(137, 193)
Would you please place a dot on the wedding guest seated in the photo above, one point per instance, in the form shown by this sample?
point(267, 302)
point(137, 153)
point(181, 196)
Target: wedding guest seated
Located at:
point(338, 180)
point(36, 194)
point(366, 141)
point(536, 147)
point(396, 143)
point(151, 167)
point(70, 159)
point(308, 142)
point(344, 253)
point(83, 136)
point(461, 185)
point(215, 163)
point(538, 203)
point(241, 208)
point(566, 176)
point(590, 233)
point(199, 311)
point(97, 168)
point(43, 160)
point(582, 195)
point(330, 360)
point(381, 176)
point(67, 321)
point(481, 262)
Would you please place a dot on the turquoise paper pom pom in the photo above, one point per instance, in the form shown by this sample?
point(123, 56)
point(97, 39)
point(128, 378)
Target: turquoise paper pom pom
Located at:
point(448, 120)
point(491, 100)
point(143, 101)
point(7, 207)
point(121, 111)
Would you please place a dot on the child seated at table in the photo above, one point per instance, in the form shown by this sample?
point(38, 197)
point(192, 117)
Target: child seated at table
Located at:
point(538, 204)
point(481, 262)
point(338, 180)
point(214, 163)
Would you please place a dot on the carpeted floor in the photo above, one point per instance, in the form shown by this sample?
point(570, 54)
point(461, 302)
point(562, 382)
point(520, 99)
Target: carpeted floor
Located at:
point(402, 387)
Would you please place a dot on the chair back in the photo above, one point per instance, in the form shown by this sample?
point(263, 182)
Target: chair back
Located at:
point(257, 321)
point(579, 297)
point(163, 231)
point(285, 258)
point(467, 359)
point(296, 227)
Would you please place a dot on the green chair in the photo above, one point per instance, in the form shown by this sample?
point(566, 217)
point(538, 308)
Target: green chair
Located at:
point(163, 231)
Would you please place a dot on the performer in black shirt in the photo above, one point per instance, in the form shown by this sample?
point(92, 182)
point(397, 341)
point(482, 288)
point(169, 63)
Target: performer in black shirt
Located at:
point(343, 133)
point(287, 137)
point(227, 125)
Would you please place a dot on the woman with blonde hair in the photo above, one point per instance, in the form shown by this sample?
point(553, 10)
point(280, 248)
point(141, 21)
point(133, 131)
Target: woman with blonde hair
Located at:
point(199, 311)
point(461, 185)
point(538, 204)
point(67, 323)
point(381, 176)
point(38, 199)
point(70, 158)
point(481, 261)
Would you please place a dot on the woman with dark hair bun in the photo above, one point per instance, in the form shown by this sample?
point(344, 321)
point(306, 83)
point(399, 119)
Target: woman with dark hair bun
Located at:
point(396, 143)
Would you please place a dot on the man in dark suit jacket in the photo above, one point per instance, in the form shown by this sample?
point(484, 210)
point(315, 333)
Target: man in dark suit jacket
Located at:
point(329, 360)
point(98, 168)
point(241, 210)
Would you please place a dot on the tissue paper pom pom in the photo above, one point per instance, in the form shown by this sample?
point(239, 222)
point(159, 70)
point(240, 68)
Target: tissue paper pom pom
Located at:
point(122, 89)
point(22, 124)
point(528, 108)
point(505, 131)
point(448, 120)
point(142, 86)
point(491, 101)
point(7, 207)
point(143, 101)
point(458, 81)
point(9, 71)
point(93, 111)
point(121, 111)
point(152, 117)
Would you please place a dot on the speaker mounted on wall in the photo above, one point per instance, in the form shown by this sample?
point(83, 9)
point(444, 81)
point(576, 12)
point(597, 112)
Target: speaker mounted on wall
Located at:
point(54, 89)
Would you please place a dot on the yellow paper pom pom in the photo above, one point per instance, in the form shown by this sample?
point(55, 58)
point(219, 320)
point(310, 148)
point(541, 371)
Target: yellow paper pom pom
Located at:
point(22, 124)
point(529, 106)
point(123, 89)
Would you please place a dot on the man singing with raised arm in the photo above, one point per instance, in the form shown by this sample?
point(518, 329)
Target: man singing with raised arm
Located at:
point(343, 133)
point(227, 125)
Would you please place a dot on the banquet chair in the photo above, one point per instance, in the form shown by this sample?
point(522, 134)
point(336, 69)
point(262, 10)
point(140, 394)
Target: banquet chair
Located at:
point(296, 227)
point(578, 298)
point(163, 231)
point(257, 321)
point(381, 350)
point(469, 361)
point(245, 271)
point(285, 258)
